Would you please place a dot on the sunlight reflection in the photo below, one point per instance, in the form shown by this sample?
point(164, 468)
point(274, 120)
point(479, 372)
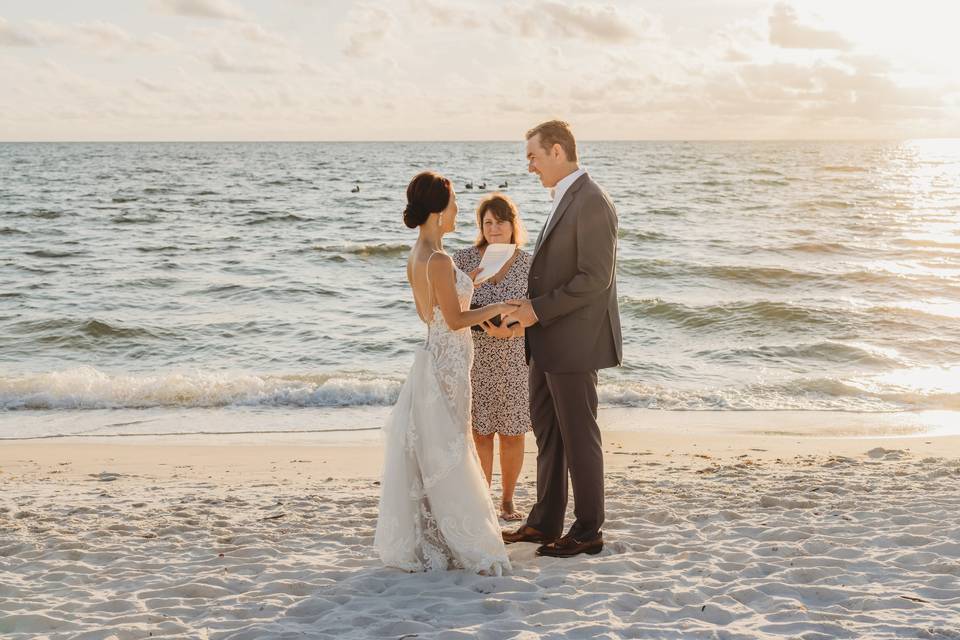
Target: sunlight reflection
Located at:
point(925, 380)
point(915, 269)
point(934, 306)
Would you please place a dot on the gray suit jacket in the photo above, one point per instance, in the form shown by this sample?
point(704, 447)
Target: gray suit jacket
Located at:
point(573, 287)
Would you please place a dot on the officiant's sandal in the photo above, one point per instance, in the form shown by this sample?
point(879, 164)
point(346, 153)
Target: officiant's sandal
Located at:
point(568, 546)
point(526, 534)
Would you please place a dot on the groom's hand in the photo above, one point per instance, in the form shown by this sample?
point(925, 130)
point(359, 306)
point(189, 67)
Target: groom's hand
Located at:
point(524, 314)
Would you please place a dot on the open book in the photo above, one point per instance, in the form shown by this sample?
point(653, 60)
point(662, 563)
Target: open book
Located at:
point(495, 256)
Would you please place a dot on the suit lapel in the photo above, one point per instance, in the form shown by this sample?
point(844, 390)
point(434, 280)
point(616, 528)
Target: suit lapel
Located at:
point(561, 209)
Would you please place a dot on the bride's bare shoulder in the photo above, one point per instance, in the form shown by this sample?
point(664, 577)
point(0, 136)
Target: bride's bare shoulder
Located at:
point(439, 264)
point(434, 264)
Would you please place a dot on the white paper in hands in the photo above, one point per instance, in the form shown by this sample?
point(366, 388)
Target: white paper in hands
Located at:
point(494, 257)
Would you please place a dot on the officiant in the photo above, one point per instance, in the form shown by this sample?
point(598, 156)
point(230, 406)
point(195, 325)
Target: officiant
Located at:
point(499, 375)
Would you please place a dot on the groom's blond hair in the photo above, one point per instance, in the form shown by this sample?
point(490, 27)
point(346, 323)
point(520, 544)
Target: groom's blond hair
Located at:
point(556, 132)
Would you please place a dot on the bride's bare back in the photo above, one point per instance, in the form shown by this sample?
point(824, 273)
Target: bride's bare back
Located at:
point(417, 276)
point(432, 277)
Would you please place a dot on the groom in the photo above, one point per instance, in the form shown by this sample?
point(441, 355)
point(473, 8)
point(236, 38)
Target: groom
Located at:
point(573, 329)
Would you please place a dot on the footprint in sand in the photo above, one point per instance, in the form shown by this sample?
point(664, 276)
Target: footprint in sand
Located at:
point(787, 503)
point(105, 476)
point(879, 453)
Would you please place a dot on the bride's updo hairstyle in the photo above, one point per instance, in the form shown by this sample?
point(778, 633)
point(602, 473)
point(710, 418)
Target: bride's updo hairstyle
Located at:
point(427, 193)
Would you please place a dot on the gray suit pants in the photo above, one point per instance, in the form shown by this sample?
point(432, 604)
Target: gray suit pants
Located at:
point(563, 409)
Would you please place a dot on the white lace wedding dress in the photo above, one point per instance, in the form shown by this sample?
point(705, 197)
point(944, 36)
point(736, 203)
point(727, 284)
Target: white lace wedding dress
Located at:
point(435, 510)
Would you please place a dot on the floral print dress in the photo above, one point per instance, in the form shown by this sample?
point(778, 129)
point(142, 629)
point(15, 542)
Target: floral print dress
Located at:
point(499, 377)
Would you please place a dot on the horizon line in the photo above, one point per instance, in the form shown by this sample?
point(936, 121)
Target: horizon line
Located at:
point(474, 140)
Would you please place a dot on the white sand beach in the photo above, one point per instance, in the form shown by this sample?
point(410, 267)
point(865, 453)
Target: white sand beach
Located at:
point(709, 537)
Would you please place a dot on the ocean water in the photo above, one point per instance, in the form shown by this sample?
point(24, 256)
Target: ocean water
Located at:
point(181, 277)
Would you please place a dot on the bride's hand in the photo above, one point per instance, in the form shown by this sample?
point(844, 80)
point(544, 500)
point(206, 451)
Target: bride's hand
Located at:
point(495, 331)
point(507, 307)
point(473, 274)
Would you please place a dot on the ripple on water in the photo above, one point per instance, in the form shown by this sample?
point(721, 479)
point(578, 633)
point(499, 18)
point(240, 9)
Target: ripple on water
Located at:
point(55, 255)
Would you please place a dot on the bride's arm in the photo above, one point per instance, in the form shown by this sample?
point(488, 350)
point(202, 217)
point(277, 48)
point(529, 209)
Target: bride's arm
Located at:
point(443, 278)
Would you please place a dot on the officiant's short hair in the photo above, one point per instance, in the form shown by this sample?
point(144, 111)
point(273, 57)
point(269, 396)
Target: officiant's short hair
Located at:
point(504, 210)
point(556, 132)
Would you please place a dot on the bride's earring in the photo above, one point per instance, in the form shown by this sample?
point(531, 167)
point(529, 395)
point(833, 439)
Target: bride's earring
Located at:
point(440, 220)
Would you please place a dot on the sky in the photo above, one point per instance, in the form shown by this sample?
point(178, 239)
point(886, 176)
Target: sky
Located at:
point(457, 70)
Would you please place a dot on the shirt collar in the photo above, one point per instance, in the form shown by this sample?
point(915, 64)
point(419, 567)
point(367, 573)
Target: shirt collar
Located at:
point(565, 183)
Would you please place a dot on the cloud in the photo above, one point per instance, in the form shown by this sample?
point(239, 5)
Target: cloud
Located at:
point(367, 28)
point(862, 91)
point(212, 9)
point(257, 34)
point(158, 43)
point(150, 85)
point(221, 61)
point(544, 19)
point(786, 76)
point(447, 15)
point(827, 92)
point(98, 36)
point(245, 48)
point(103, 34)
point(736, 42)
point(787, 32)
point(40, 33)
point(249, 35)
point(613, 69)
point(11, 36)
point(733, 54)
point(586, 21)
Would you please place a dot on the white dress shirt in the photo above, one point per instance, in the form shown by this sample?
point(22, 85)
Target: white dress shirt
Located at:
point(560, 189)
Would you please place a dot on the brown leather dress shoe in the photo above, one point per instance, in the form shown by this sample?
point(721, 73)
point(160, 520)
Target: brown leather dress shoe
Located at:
point(526, 534)
point(568, 546)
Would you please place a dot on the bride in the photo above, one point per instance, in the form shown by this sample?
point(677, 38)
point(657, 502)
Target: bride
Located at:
point(435, 512)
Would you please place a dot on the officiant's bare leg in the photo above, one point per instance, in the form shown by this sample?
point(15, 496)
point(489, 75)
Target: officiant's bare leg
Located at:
point(547, 514)
point(575, 400)
point(485, 452)
point(511, 461)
